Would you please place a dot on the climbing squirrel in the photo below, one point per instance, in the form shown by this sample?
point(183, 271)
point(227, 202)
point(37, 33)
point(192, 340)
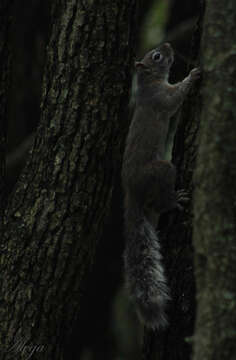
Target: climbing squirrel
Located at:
point(149, 182)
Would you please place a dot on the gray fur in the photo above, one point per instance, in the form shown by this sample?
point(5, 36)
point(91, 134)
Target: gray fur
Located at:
point(149, 183)
point(145, 278)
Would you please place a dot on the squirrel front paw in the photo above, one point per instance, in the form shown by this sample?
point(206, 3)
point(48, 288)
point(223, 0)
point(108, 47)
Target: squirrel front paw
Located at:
point(195, 74)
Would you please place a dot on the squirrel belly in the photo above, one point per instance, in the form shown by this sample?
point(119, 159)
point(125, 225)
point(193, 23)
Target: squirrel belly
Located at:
point(144, 274)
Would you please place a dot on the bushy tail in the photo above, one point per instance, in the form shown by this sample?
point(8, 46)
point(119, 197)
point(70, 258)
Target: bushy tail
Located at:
point(144, 272)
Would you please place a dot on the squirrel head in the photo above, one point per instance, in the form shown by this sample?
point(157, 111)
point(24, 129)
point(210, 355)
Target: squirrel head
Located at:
point(157, 62)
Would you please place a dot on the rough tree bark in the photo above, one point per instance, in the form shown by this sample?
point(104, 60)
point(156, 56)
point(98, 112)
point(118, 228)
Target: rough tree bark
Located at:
point(57, 212)
point(215, 197)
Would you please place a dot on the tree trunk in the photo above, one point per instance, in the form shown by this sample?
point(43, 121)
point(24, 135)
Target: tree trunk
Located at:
point(215, 197)
point(57, 212)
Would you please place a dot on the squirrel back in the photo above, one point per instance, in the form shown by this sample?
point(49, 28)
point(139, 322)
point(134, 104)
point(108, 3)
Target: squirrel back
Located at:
point(149, 182)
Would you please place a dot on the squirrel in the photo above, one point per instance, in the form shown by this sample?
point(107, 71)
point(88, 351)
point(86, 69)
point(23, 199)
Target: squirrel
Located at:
point(149, 182)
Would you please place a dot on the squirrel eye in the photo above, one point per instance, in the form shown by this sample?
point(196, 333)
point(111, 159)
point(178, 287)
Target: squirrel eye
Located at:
point(156, 56)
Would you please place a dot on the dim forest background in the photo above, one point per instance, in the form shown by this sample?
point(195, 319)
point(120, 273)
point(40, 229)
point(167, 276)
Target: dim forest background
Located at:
point(65, 108)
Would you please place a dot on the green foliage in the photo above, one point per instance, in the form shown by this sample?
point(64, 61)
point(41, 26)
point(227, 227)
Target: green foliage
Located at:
point(154, 24)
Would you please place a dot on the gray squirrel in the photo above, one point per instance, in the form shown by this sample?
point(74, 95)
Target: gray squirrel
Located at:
point(149, 182)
